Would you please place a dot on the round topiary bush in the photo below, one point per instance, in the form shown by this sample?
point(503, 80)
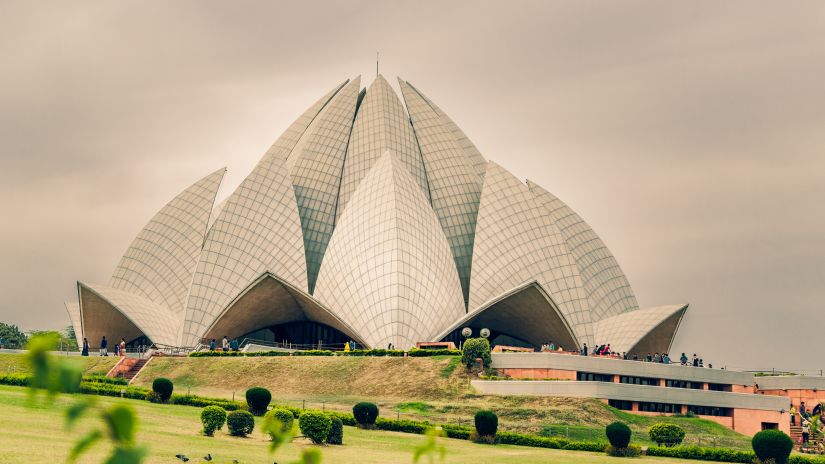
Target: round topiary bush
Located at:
point(772, 445)
point(283, 416)
point(666, 434)
point(365, 414)
point(336, 432)
point(163, 387)
point(618, 434)
point(258, 400)
point(486, 423)
point(213, 418)
point(315, 425)
point(475, 348)
point(240, 423)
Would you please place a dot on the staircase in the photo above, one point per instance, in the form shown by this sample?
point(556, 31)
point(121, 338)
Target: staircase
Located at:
point(127, 368)
point(131, 373)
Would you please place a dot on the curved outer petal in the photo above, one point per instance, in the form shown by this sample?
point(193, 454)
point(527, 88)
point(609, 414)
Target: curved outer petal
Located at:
point(648, 330)
point(116, 313)
point(389, 273)
point(315, 165)
point(516, 243)
point(257, 229)
point(381, 124)
point(607, 287)
point(455, 187)
point(476, 159)
point(73, 309)
point(161, 260)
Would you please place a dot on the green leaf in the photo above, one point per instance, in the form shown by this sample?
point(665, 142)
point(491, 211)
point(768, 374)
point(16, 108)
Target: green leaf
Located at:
point(122, 423)
point(84, 443)
point(310, 456)
point(76, 410)
point(126, 455)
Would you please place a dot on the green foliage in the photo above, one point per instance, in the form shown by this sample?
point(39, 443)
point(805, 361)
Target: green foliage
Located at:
point(213, 418)
point(664, 434)
point(11, 336)
point(100, 378)
point(284, 419)
point(486, 423)
point(154, 397)
point(420, 353)
point(258, 398)
point(315, 425)
point(631, 451)
point(475, 348)
point(336, 432)
point(163, 387)
point(431, 448)
point(375, 352)
point(618, 434)
point(240, 423)
point(365, 414)
point(702, 454)
point(64, 340)
point(772, 445)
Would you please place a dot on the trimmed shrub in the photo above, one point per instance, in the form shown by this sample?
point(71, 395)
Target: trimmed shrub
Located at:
point(666, 434)
point(336, 432)
point(703, 454)
point(315, 425)
point(475, 348)
point(284, 417)
point(486, 423)
point(630, 452)
point(258, 400)
point(240, 423)
point(365, 414)
point(419, 353)
point(772, 445)
point(200, 402)
point(618, 434)
point(213, 418)
point(154, 397)
point(163, 387)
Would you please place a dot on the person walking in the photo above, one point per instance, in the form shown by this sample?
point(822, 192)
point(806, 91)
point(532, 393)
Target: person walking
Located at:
point(212, 345)
point(103, 347)
point(806, 432)
point(85, 350)
point(793, 415)
point(225, 343)
point(122, 347)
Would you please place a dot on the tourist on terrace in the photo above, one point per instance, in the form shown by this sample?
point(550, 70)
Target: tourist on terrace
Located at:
point(225, 343)
point(103, 347)
point(806, 432)
point(683, 359)
point(122, 347)
point(793, 414)
point(701, 363)
point(212, 345)
point(657, 358)
point(624, 355)
point(85, 350)
point(584, 350)
point(649, 358)
point(666, 359)
point(234, 345)
point(817, 410)
point(695, 360)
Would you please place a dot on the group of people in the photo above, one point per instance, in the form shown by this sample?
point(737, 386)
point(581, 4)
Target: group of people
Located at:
point(805, 418)
point(662, 358)
point(550, 346)
point(120, 348)
point(226, 345)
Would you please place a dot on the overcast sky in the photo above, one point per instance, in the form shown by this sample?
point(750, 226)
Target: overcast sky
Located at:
point(690, 135)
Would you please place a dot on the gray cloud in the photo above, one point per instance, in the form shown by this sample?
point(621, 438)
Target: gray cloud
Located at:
point(688, 134)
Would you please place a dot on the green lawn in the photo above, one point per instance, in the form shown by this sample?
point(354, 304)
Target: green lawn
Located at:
point(37, 435)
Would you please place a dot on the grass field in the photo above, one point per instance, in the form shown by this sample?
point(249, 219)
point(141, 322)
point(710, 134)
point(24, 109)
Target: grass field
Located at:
point(435, 389)
point(37, 435)
point(16, 363)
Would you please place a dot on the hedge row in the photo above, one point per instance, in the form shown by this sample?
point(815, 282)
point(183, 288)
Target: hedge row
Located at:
point(722, 455)
point(415, 352)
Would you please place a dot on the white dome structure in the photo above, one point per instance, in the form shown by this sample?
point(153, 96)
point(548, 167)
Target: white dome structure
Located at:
point(377, 221)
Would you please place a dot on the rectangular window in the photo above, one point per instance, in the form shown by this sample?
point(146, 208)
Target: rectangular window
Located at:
point(710, 411)
point(621, 404)
point(638, 380)
point(667, 408)
point(591, 377)
point(683, 384)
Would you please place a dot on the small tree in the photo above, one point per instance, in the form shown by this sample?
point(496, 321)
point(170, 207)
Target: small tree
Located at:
point(475, 348)
point(11, 336)
point(258, 400)
point(618, 434)
point(666, 434)
point(365, 414)
point(315, 425)
point(163, 387)
point(772, 445)
point(213, 418)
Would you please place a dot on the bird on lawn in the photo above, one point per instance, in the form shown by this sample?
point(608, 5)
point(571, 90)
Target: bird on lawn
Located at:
point(208, 457)
point(182, 457)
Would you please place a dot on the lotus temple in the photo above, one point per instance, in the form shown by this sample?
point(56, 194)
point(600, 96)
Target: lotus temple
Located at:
point(374, 219)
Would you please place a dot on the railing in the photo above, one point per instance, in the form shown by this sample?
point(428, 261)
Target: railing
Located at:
point(285, 345)
point(175, 350)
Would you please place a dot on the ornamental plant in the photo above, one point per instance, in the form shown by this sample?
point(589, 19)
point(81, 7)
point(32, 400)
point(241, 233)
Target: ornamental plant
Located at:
point(365, 414)
point(666, 434)
point(315, 425)
point(284, 418)
point(336, 432)
point(475, 348)
point(258, 399)
point(240, 423)
point(163, 387)
point(618, 434)
point(486, 423)
point(772, 446)
point(213, 418)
